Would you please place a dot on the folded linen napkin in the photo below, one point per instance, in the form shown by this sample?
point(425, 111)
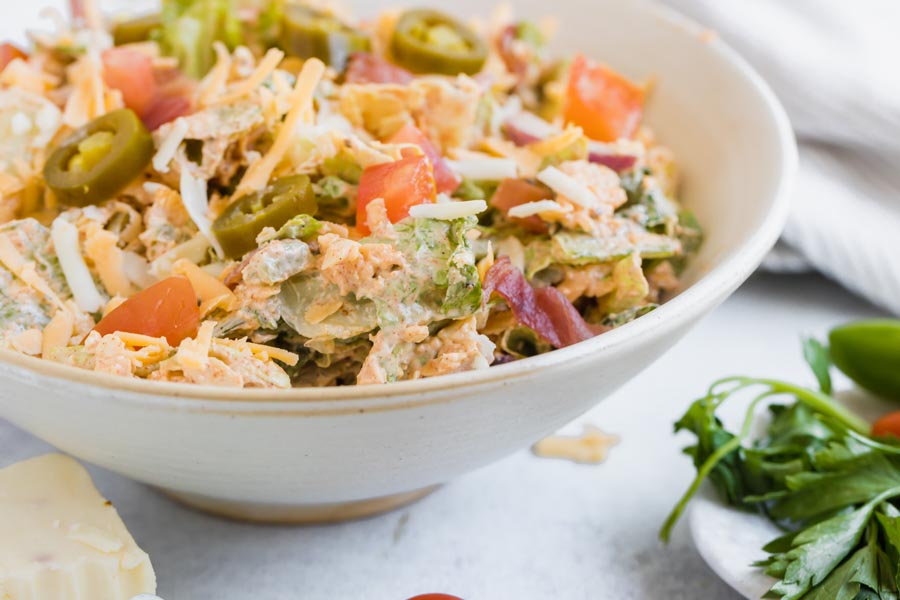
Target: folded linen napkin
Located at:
point(833, 65)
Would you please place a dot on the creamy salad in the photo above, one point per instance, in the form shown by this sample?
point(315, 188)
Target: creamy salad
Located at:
point(273, 194)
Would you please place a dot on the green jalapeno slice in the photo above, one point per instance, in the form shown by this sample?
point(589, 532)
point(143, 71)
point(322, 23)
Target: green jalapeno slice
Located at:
point(242, 220)
point(138, 29)
point(428, 41)
point(98, 160)
point(309, 33)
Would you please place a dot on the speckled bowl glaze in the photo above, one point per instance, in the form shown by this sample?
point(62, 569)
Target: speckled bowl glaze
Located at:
point(330, 454)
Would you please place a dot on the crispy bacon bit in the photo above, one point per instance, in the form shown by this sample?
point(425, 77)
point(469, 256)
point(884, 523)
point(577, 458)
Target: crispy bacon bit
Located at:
point(513, 192)
point(368, 68)
point(545, 310)
point(446, 180)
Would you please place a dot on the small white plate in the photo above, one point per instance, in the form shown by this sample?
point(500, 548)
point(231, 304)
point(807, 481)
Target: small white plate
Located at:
point(730, 541)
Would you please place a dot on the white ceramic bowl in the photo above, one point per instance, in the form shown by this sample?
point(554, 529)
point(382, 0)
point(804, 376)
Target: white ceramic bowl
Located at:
point(335, 453)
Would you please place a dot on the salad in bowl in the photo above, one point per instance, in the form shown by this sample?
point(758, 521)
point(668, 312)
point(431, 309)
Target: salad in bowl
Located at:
point(271, 194)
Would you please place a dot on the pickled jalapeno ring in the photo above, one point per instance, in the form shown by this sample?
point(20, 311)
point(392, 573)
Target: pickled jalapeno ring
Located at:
point(308, 33)
point(428, 41)
point(98, 160)
point(242, 220)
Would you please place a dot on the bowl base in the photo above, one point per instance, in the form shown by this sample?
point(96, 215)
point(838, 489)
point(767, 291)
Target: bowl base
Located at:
point(298, 514)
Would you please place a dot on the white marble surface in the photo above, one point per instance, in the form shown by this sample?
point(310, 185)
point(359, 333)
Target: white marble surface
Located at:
point(524, 528)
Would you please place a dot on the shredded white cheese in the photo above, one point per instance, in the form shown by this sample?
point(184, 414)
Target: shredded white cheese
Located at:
point(448, 210)
point(194, 353)
point(75, 270)
point(535, 208)
point(169, 145)
point(567, 186)
point(193, 195)
point(486, 169)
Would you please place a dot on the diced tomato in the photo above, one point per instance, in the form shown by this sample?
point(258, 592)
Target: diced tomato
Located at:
point(131, 72)
point(444, 178)
point(402, 184)
point(435, 597)
point(166, 309)
point(606, 105)
point(9, 52)
point(887, 425)
point(513, 192)
point(368, 68)
point(165, 109)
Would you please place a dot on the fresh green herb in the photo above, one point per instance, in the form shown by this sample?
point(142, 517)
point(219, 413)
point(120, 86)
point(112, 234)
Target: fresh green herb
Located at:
point(817, 473)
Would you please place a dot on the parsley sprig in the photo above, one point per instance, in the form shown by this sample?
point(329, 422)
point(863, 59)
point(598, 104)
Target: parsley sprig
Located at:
point(817, 474)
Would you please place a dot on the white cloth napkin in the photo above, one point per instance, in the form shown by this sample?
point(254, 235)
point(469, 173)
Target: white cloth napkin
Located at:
point(834, 65)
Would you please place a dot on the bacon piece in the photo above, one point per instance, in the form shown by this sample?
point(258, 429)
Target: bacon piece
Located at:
point(571, 327)
point(368, 68)
point(513, 192)
point(510, 283)
point(545, 310)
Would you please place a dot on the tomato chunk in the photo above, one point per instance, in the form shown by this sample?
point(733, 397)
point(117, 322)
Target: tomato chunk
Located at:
point(887, 425)
point(606, 105)
point(131, 72)
point(435, 597)
point(9, 52)
point(513, 192)
point(166, 309)
point(368, 68)
point(402, 184)
point(444, 178)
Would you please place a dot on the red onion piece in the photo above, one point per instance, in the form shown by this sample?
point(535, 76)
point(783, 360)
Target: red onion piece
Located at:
point(602, 154)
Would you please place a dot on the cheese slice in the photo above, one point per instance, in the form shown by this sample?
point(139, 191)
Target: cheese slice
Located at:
point(59, 538)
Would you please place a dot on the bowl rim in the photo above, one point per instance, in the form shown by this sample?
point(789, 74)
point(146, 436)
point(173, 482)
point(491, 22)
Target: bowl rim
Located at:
point(732, 270)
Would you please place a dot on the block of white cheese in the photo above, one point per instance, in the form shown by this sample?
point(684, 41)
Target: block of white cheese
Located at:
point(61, 540)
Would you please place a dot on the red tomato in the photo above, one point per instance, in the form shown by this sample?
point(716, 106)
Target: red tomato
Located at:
point(435, 597)
point(165, 109)
point(887, 425)
point(513, 192)
point(131, 72)
point(166, 309)
point(602, 102)
point(444, 178)
point(402, 184)
point(8, 52)
point(368, 68)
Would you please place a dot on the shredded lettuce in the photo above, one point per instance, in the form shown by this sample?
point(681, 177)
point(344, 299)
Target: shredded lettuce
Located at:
point(189, 28)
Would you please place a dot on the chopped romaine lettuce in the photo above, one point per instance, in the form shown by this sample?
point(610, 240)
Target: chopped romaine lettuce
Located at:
point(191, 26)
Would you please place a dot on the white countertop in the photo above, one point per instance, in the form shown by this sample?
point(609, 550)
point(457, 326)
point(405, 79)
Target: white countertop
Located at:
point(522, 528)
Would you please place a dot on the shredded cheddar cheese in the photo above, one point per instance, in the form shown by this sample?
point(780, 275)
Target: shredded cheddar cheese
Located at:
point(205, 285)
point(262, 72)
point(194, 353)
point(58, 332)
point(101, 247)
point(214, 83)
point(257, 176)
